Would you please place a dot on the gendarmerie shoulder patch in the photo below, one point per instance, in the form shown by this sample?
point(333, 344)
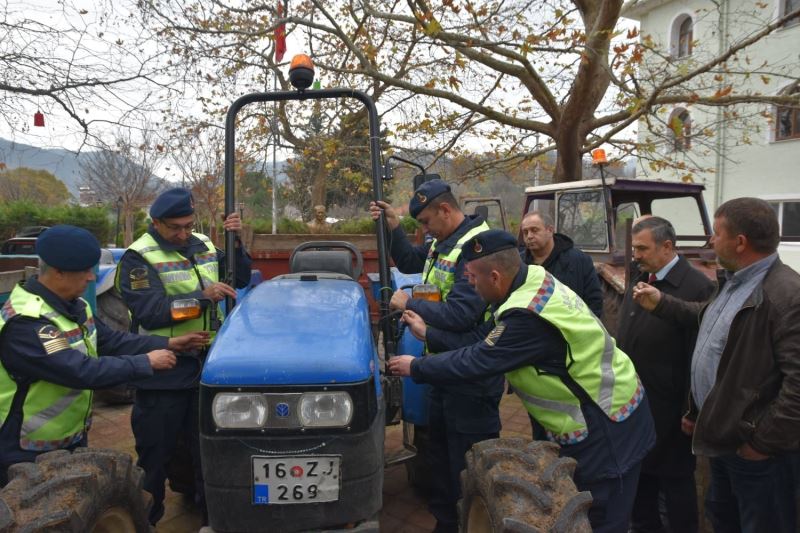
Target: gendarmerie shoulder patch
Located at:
point(52, 340)
point(139, 279)
point(494, 335)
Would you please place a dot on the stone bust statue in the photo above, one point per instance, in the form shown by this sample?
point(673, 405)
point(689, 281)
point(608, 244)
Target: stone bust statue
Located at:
point(318, 225)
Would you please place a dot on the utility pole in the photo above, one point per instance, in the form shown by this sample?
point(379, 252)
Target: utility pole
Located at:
point(116, 234)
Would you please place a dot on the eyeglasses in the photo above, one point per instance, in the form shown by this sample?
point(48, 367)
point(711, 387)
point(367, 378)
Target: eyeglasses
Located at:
point(178, 227)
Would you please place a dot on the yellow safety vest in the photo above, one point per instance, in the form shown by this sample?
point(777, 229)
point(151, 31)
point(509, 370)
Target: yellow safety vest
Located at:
point(179, 277)
point(593, 361)
point(441, 270)
point(53, 416)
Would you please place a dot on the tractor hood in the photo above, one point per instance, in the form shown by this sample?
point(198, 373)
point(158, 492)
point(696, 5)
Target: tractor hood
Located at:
point(292, 332)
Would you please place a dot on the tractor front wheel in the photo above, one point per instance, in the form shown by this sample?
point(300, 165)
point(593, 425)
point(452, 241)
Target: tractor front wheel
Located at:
point(520, 486)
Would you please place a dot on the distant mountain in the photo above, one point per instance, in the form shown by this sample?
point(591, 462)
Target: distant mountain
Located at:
point(63, 164)
point(66, 165)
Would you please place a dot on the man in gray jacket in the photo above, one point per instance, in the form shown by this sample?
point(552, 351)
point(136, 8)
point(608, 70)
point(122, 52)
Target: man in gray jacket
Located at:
point(745, 376)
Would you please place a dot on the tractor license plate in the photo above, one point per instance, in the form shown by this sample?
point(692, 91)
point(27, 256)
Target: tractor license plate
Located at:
point(299, 479)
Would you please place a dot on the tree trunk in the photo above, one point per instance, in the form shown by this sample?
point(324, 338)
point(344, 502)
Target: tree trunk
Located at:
point(319, 190)
point(213, 234)
point(128, 233)
point(569, 164)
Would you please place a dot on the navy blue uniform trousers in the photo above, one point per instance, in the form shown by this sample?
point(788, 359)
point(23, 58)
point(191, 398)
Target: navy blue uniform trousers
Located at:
point(456, 422)
point(158, 417)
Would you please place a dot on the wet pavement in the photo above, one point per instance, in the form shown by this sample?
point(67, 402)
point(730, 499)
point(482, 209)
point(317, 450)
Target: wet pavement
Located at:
point(403, 511)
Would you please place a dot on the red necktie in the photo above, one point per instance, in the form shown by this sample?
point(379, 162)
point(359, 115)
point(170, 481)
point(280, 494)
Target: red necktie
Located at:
point(651, 278)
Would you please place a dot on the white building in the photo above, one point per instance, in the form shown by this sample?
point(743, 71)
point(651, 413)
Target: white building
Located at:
point(749, 150)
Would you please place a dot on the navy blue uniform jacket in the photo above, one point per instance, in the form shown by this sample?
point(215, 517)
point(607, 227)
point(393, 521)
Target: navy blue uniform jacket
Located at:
point(611, 448)
point(26, 361)
point(150, 304)
point(463, 309)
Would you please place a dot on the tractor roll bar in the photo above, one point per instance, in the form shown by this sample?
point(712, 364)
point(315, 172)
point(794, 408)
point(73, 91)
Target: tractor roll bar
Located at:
point(374, 136)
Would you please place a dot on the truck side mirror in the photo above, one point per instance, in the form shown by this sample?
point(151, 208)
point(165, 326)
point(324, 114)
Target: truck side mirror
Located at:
point(187, 309)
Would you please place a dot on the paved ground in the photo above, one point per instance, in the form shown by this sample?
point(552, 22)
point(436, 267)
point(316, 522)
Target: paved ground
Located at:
point(403, 511)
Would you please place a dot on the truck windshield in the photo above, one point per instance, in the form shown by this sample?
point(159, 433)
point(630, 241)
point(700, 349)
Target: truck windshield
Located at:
point(581, 216)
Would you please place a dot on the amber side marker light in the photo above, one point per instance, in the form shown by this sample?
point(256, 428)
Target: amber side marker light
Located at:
point(186, 309)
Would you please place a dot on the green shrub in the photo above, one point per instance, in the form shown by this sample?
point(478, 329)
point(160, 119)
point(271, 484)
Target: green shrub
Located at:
point(16, 215)
point(359, 226)
point(287, 225)
point(261, 225)
point(409, 224)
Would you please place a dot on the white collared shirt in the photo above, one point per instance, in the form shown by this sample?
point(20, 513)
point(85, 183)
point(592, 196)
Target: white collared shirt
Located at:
point(661, 274)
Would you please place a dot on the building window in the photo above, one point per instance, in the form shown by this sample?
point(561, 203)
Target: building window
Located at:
point(788, 213)
point(681, 41)
point(680, 130)
point(787, 120)
point(789, 6)
point(685, 38)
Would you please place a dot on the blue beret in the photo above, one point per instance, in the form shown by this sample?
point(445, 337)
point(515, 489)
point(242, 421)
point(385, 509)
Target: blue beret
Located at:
point(487, 243)
point(177, 202)
point(68, 248)
point(424, 194)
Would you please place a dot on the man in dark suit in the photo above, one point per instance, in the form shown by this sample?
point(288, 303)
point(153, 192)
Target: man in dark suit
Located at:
point(661, 352)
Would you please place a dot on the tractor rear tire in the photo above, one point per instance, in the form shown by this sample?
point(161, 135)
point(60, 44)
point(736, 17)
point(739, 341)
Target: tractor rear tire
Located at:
point(89, 490)
point(514, 485)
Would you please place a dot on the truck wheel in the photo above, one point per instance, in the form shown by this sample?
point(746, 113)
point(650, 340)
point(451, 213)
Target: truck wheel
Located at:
point(520, 486)
point(88, 490)
point(612, 305)
point(113, 312)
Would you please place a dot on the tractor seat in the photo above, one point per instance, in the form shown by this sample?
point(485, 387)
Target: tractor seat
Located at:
point(336, 261)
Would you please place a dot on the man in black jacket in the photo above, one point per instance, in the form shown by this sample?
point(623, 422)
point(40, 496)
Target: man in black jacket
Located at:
point(557, 254)
point(661, 351)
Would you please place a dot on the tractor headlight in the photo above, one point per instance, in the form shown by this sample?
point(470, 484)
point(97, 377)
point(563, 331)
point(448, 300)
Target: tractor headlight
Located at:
point(325, 409)
point(239, 410)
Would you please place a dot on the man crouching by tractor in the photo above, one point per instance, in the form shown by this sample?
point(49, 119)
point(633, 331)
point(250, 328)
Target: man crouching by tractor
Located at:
point(561, 362)
point(51, 345)
point(170, 262)
point(464, 412)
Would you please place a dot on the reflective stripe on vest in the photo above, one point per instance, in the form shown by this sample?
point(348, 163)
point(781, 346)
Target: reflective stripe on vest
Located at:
point(442, 271)
point(593, 362)
point(53, 416)
point(179, 277)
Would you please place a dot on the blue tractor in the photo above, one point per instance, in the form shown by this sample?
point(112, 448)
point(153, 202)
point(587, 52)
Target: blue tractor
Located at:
point(293, 399)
